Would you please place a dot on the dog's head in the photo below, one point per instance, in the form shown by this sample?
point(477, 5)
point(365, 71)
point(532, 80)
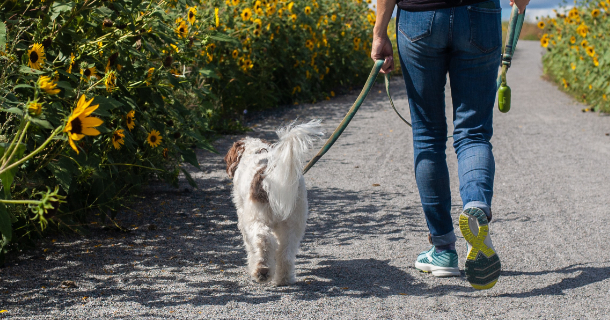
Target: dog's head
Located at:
point(233, 156)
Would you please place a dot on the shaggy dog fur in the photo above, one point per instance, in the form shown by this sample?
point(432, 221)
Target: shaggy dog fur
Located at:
point(271, 200)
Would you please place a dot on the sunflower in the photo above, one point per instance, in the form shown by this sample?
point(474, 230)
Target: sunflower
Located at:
point(596, 63)
point(80, 124)
point(541, 24)
point(595, 13)
point(270, 10)
point(117, 139)
point(165, 150)
point(357, 41)
point(565, 83)
point(49, 86)
point(130, 119)
point(72, 58)
point(332, 93)
point(154, 138)
point(309, 44)
point(36, 56)
point(192, 15)
point(258, 23)
point(333, 17)
point(182, 30)
point(290, 5)
point(257, 33)
point(573, 66)
point(584, 44)
point(582, 30)
point(307, 10)
point(35, 108)
point(110, 81)
point(235, 54)
point(544, 41)
point(246, 14)
point(89, 72)
point(573, 14)
point(572, 39)
point(234, 2)
point(294, 18)
point(590, 51)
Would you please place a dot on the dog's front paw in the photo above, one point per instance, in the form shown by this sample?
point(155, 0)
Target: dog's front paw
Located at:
point(261, 274)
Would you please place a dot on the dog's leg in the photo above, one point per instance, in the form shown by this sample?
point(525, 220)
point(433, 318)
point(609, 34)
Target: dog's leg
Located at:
point(289, 234)
point(261, 260)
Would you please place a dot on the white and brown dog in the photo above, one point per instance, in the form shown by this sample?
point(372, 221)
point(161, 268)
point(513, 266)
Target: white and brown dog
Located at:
point(271, 199)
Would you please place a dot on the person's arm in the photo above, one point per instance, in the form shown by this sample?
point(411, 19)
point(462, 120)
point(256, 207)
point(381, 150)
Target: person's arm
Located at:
point(381, 49)
point(521, 4)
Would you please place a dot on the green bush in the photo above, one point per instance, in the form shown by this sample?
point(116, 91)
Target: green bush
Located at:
point(578, 52)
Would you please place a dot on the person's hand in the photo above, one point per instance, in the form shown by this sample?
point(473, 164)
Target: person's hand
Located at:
point(521, 4)
point(381, 49)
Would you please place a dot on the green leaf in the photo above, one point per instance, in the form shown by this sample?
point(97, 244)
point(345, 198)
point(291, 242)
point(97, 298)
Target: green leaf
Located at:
point(208, 73)
point(63, 171)
point(14, 110)
point(58, 7)
point(222, 37)
point(5, 224)
point(2, 36)
point(106, 105)
point(189, 178)
point(23, 86)
point(42, 123)
point(29, 70)
point(189, 156)
point(8, 176)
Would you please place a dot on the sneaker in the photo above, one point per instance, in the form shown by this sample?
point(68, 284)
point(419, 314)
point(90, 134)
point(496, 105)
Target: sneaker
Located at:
point(482, 263)
point(441, 264)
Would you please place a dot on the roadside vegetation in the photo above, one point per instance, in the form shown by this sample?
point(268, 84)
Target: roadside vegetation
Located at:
point(98, 97)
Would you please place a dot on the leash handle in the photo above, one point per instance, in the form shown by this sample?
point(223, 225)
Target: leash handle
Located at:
point(514, 30)
point(348, 117)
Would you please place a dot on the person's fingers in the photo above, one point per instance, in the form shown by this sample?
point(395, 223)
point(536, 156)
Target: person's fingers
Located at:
point(388, 65)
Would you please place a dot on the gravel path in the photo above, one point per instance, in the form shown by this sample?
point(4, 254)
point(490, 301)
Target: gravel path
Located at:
point(183, 257)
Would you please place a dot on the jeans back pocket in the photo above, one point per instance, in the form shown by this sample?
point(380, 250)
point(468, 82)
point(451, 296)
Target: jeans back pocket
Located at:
point(415, 25)
point(485, 28)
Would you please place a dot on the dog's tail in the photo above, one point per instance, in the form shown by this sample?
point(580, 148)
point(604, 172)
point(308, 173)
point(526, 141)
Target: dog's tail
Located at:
point(284, 169)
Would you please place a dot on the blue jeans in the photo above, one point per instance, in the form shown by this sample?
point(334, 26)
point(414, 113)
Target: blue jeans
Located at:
point(465, 42)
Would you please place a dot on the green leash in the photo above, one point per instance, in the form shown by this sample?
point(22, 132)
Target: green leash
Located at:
point(515, 24)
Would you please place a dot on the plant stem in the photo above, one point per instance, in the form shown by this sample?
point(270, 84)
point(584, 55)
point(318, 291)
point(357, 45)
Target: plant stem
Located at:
point(20, 201)
point(33, 153)
point(131, 165)
point(10, 147)
point(8, 160)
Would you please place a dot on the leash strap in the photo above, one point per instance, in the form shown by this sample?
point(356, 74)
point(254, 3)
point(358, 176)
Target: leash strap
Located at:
point(348, 117)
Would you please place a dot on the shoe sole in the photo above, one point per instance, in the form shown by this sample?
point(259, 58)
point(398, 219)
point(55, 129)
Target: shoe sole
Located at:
point(482, 263)
point(437, 271)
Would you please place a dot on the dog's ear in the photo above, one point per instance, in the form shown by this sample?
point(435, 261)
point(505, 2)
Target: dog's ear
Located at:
point(233, 156)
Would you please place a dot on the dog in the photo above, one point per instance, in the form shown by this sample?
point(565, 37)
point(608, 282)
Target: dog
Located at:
point(271, 199)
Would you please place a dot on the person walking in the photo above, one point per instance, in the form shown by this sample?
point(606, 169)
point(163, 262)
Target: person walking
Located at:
point(461, 38)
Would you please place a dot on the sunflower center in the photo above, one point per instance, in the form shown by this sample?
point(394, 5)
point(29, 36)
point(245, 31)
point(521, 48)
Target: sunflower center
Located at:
point(116, 137)
point(181, 30)
point(191, 15)
point(77, 126)
point(33, 56)
point(153, 139)
point(87, 73)
point(129, 120)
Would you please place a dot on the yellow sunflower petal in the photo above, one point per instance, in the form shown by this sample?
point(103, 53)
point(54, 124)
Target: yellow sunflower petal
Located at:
point(89, 110)
point(90, 131)
point(73, 145)
point(76, 136)
point(91, 122)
